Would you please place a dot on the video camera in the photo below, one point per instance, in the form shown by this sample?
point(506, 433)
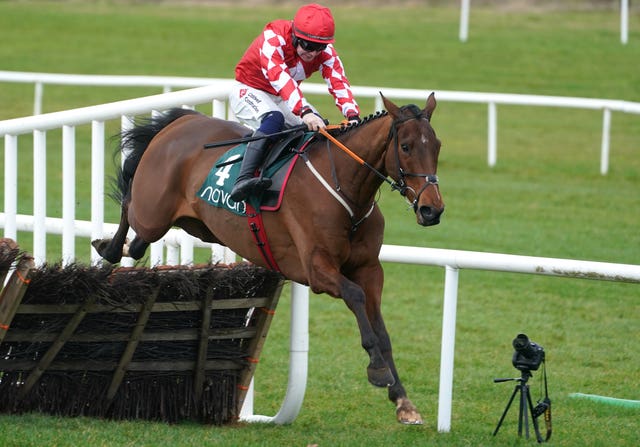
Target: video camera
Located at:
point(527, 356)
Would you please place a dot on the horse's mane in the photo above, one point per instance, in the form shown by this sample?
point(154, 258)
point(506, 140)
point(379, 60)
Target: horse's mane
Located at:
point(410, 109)
point(366, 120)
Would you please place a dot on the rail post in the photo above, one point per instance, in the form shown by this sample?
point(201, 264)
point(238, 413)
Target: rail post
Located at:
point(447, 348)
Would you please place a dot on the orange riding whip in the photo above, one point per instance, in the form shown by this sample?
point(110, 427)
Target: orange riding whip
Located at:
point(343, 147)
point(394, 185)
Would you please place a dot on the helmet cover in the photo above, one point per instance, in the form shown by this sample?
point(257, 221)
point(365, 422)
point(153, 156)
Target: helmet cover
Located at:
point(314, 23)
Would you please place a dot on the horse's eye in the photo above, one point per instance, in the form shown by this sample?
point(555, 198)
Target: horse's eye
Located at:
point(404, 147)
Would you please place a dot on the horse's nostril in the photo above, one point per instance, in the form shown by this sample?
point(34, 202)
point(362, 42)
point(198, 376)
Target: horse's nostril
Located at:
point(426, 211)
point(430, 215)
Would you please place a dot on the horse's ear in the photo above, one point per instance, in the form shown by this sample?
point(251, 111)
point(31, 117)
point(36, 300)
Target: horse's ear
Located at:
point(390, 107)
point(431, 105)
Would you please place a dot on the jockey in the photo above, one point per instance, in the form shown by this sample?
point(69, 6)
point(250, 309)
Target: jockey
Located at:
point(267, 95)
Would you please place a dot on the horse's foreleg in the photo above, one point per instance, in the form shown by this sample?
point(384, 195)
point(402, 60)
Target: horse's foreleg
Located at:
point(406, 411)
point(378, 371)
point(326, 278)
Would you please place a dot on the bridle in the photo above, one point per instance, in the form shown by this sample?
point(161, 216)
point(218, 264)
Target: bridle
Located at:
point(401, 185)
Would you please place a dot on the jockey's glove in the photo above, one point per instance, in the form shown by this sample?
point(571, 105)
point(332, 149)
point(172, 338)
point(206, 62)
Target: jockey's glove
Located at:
point(353, 119)
point(350, 120)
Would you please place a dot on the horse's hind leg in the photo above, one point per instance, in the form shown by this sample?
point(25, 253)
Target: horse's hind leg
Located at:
point(111, 249)
point(136, 248)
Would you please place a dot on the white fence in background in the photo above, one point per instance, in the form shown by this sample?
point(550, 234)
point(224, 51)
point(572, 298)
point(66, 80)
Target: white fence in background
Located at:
point(69, 227)
point(465, 8)
point(492, 100)
point(94, 116)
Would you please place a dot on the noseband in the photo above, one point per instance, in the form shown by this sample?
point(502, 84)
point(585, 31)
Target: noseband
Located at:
point(401, 185)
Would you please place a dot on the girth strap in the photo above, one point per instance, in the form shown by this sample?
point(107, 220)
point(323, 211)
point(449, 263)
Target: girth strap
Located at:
point(260, 237)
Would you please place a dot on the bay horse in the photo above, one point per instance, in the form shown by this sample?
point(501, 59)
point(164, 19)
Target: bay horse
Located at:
point(328, 231)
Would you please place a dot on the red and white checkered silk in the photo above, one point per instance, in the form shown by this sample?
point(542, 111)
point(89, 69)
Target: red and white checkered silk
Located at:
point(272, 64)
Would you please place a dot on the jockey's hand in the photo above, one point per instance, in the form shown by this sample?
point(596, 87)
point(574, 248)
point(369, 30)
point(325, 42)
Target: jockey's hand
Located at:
point(351, 120)
point(313, 121)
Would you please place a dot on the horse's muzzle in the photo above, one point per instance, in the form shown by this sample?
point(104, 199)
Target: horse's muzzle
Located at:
point(428, 215)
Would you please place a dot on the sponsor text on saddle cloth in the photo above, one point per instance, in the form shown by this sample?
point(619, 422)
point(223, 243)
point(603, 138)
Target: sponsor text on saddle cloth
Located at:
point(216, 189)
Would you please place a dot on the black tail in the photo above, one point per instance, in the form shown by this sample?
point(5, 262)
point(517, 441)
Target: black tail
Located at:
point(135, 141)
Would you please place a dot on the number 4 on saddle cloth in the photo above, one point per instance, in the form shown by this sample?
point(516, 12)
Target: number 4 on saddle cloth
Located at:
point(216, 189)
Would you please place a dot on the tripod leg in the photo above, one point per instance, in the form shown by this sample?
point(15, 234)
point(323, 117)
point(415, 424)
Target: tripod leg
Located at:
point(534, 419)
point(524, 393)
point(506, 409)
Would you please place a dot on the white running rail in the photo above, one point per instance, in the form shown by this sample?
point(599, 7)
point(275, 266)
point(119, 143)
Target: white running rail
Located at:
point(69, 227)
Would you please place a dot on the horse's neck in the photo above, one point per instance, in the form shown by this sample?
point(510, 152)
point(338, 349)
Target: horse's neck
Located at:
point(372, 141)
point(369, 143)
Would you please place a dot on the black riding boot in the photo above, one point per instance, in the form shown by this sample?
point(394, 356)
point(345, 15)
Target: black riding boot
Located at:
point(246, 183)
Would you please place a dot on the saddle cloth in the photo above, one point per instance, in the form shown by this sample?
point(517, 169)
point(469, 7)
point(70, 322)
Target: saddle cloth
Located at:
point(216, 188)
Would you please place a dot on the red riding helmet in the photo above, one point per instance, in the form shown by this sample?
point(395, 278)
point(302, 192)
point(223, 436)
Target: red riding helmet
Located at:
point(314, 23)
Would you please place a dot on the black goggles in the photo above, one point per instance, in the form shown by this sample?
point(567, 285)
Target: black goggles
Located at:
point(307, 45)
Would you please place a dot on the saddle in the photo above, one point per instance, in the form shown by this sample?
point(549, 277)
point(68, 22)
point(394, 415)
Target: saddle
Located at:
point(280, 156)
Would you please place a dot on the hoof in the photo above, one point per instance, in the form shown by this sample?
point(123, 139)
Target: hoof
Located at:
point(381, 377)
point(101, 246)
point(407, 413)
point(7, 246)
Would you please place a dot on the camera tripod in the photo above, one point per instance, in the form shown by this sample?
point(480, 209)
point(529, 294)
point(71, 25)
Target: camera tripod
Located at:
point(526, 407)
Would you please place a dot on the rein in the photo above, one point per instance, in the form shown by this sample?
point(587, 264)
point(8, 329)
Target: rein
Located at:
point(357, 158)
point(254, 138)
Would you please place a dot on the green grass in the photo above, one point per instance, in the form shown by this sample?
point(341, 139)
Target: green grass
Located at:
point(545, 197)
